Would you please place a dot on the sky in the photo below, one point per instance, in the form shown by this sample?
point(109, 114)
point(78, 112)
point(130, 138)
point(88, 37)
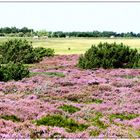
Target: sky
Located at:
point(118, 17)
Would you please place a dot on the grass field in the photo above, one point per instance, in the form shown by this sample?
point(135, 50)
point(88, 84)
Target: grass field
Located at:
point(78, 45)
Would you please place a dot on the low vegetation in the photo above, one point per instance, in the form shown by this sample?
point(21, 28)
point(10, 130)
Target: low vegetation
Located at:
point(69, 108)
point(51, 74)
point(99, 103)
point(88, 100)
point(97, 122)
point(60, 121)
point(10, 117)
point(123, 116)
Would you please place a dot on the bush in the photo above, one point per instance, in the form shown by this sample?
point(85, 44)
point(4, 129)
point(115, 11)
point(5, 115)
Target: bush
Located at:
point(107, 55)
point(41, 52)
point(18, 50)
point(13, 71)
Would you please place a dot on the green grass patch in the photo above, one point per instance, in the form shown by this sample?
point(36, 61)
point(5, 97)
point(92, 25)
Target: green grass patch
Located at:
point(29, 65)
point(51, 74)
point(57, 120)
point(69, 108)
point(97, 122)
point(95, 133)
point(80, 45)
point(10, 117)
point(123, 116)
point(137, 132)
point(129, 76)
point(57, 136)
point(77, 45)
point(73, 99)
point(96, 101)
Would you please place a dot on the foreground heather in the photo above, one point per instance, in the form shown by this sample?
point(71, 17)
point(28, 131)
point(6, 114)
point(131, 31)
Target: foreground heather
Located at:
point(89, 103)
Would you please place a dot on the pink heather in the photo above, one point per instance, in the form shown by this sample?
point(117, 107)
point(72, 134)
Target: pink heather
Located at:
point(108, 91)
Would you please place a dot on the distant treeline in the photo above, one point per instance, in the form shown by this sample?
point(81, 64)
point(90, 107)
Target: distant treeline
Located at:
point(13, 30)
point(93, 34)
point(26, 32)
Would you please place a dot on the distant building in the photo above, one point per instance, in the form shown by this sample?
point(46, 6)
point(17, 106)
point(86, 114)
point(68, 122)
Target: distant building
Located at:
point(45, 37)
point(112, 36)
point(2, 36)
point(35, 37)
point(67, 36)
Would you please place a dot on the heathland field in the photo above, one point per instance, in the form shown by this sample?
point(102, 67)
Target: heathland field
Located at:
point(59, 99)
point(78, 45)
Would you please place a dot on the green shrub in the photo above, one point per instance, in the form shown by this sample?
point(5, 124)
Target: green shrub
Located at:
point(18, 50)
point(107, 55)
point(69, 108)
point(44, 51)
point(50, 52)
point(41, 52)
point(60, 121)
point(10, 117)
point(13, 71)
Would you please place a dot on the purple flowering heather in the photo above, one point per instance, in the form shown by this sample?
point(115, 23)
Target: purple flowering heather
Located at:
point(108, 101)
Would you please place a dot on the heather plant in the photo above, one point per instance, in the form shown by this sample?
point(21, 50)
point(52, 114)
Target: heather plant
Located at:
point(10, 89)
point(76, 97)
point(31, 98)
point(13, 71)
point(106, 55)
point(60, 121)
point(69, 108)
point(43, 88)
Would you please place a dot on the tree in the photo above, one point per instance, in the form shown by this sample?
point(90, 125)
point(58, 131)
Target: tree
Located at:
point(42, 33)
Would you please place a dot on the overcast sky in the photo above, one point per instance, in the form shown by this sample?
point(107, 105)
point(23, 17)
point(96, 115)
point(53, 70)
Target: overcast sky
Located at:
point(119, 17)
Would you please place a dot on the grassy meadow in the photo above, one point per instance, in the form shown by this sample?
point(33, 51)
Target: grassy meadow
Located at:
point(77, 45)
